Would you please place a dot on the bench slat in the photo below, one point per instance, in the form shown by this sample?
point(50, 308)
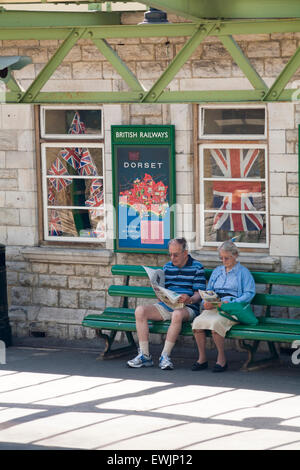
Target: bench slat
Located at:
point(290, 279)
point(259, 299)
point(269, 329)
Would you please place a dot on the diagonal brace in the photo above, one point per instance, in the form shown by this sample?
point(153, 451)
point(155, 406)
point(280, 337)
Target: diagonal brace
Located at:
point(284, 77)
point(243, 62)
point(118, 64)
point(185, 53)
point(51, 66)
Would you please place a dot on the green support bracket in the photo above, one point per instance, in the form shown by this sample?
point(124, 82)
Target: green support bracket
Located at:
point(185, 53)
point(51, 66)
point(243, 62)
point(282, 80)
point(118, 64)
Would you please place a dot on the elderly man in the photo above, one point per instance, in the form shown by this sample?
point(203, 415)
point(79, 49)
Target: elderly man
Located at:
point(185, 276)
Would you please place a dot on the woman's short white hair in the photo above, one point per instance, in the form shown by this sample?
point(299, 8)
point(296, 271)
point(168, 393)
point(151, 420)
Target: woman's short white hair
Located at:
point(229, 247)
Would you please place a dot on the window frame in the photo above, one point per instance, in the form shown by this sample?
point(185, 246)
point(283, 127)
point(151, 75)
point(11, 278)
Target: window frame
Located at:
point(60, 142)
point(226, 137)
point(45, 204)
point(242, 145)
point(80, 137)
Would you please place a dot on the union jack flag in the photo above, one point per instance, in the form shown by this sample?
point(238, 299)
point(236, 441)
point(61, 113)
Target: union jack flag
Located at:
point(57, 168)
point(96, 200)
point(87, 166)
point(55, 226)
point(96, 185)
point(51, 197)
point(72, 156)
point(236, 195)
point(77, 126)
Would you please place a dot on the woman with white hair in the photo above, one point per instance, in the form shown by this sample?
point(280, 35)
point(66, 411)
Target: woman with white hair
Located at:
point(233, 283)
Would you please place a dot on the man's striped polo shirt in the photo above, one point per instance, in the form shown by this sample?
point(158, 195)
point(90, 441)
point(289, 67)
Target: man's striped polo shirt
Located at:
point(185, 280)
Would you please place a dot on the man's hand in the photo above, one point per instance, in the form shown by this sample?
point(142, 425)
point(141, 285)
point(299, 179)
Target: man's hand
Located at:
point(186, 299)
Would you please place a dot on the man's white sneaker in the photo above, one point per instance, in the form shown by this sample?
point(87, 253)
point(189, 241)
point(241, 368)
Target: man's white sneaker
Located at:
point(165, 363)
point(141, 360)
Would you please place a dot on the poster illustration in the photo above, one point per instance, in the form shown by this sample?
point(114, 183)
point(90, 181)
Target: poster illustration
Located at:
point(144, 187)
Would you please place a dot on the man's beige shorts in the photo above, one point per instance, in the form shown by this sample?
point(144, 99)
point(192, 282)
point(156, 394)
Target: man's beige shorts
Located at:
point(166, 315)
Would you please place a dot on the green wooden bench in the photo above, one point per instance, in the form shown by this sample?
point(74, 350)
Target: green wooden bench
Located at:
point(269, 328)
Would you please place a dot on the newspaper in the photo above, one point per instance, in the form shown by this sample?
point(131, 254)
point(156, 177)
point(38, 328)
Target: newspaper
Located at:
point(210, 296)
point(167, 296)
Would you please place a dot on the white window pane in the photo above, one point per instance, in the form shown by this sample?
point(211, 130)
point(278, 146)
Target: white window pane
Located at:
point(72, 160)
point(235, 195)
point(250, 228)
point(67, 223)
point(233, 189)
point(233, 121)
point(234, 163)
point(82, 122)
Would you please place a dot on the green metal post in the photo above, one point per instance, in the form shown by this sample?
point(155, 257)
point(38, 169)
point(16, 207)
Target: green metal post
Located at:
point(5, 330)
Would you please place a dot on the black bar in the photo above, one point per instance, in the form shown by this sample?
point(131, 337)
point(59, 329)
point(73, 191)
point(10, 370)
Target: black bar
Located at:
point(5, 330)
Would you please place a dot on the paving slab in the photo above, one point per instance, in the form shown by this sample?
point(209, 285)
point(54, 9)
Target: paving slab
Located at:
point(55, 397)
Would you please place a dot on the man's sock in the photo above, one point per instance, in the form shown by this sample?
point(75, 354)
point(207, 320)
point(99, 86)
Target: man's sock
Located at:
point(167, 348)
point(144, 347)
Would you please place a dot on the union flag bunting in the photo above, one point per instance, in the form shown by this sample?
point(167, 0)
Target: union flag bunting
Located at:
point(87, 165)
point(55, 225)
point(58, 169)
point(71, 156)
point(236, 195)
point(77, 126)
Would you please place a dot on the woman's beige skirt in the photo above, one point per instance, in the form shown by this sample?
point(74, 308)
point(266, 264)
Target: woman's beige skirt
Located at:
point(212, 320)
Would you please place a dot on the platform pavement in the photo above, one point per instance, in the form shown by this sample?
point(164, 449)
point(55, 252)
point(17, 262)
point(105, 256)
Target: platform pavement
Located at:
point(61, 397)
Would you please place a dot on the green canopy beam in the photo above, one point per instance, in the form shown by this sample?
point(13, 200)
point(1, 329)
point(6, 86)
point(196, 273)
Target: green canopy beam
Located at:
point(199, 9)
point(51, 66)
point(181, 58)
point(101, 26)
point(118, 64)
point(284, 77)
point(194, 9)
point(243, 62)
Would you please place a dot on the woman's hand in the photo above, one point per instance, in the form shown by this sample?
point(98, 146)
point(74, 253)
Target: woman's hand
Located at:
point(208, 305)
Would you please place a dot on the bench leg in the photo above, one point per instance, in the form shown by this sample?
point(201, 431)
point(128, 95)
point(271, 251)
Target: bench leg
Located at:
point(110, 353)
point(251, 363)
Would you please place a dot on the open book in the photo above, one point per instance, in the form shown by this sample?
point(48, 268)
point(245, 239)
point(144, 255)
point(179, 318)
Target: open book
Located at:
point(167, 296)
point(210, 296)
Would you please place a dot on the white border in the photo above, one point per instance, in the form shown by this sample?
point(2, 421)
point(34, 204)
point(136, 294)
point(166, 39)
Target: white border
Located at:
point(43, 110)
point(200, 216)
point(48, 237)
point(231, 136)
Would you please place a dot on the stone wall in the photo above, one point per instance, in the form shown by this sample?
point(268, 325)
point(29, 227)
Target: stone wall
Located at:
point(51, 288)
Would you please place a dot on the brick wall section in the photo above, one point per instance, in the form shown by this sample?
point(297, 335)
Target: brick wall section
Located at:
point(54, 297)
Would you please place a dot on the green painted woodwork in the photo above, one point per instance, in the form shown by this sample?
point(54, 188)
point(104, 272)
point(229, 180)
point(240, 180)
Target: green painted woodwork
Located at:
point(268, 329)
point(122, 319)
point(260, 277)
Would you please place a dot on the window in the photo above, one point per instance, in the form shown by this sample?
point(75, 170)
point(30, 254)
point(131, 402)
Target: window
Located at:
point(233, 123)
point(73, 174)
point(233, 187)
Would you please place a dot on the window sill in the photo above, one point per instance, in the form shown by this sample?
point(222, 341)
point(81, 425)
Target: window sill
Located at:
point(68, 256)
point(254, 262)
